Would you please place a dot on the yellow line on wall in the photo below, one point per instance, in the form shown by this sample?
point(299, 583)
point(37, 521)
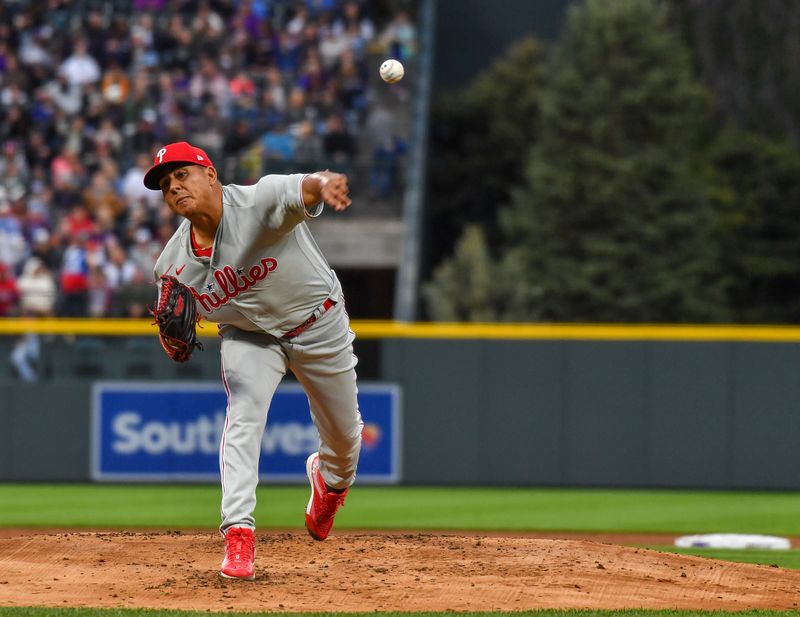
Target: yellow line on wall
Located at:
point(366, 329)
point(601, 332)
point(94, 327)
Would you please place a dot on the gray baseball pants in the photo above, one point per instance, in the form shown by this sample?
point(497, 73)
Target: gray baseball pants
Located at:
point(253, 365)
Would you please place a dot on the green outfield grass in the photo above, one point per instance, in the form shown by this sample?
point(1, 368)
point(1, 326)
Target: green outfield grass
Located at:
point(401, 507)
point(781, 559)
point(424, 508)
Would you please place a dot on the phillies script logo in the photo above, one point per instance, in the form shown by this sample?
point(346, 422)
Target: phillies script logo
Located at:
point(233, 282)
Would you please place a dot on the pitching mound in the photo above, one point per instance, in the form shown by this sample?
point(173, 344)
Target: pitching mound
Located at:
point(366, 572)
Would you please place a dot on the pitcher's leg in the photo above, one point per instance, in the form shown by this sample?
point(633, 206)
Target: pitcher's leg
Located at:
point(252, 368)
point(334, 408)
point(324, 364)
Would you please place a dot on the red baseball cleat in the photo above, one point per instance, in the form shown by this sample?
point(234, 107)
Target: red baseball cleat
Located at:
point(323, 504)
point(240, 554)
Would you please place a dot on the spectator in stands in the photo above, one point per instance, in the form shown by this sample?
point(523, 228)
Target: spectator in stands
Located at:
point(149, 5)
point(37, 290)
point(13, 166)
point(46, 247)
point(357, 29)
point(17, 125)
point(99, 300)
point(145, 250)
point(9, 295)
point(39, 204)
point(321, 7)
point(132, 298)
point(145, 130)
point(172, 99)
point(399, 38)
point(328, 105)
point(33, 48)
point(16, 75)
point(65, 96)
point(143, 56)
point(75, 137)
point(38, 152)
point(115, 88)
point(174, 43)
point(74, 278)
point(268, 115)
point(80, 68)
point(332, 45)
point(78, 223)
point(279, 144)
point(275, 87)
point(108, 139)
point(387, 150)
point(208, 133)
point(299, 108)
point(118, 45)
point(308, 146)
point(13, 96)
point(12, 241)
point(313, 78)
point(287, 53)
point(338, 145)
point(209, 85)
point(242, 85)
point(66, 169)
point(207, 25)
point(119, 269)
point(136, 218)
point(101, 195)
point(84, 84)
point(352, 80)
point(238, 139)
point(142, 98)
point(95, 32)
point(132, 188)
point(298, 22)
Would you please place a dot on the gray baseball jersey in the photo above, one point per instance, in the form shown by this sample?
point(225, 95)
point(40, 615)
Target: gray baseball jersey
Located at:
point(265, 277)
point(266, 272)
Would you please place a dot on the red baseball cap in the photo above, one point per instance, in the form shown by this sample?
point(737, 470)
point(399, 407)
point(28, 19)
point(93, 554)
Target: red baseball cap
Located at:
point(179, 152)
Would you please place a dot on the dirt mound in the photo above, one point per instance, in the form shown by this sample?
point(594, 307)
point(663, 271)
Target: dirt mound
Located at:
point(371, 571)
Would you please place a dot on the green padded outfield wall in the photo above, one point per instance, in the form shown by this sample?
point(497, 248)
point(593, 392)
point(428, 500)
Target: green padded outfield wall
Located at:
point(599, 413)
point(44, 431)
point(517, 412)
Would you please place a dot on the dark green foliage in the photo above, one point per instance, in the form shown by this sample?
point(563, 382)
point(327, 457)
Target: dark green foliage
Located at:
point(478, 143)
point(462, 288)
point(630, 202)
point(747, 52)
point(612, 224)
point(758, 199)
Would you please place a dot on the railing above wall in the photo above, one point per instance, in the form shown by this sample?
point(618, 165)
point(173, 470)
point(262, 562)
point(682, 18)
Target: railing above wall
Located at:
point(369, 329)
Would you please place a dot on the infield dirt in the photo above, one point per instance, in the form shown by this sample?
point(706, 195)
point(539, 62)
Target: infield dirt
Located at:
point(366, 571)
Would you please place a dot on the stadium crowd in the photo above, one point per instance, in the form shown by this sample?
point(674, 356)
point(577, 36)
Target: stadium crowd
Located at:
point(89, 90)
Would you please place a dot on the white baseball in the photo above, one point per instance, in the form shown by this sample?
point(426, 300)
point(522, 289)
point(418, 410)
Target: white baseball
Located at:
point(392, 71)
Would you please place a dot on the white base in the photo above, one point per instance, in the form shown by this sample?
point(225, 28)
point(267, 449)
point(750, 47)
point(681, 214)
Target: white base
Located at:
point(734, 540)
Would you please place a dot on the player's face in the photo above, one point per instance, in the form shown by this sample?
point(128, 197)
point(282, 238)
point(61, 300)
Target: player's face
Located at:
point(187, 189)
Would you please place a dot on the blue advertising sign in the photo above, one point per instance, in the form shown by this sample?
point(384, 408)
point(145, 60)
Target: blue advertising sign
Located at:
point(171, 431)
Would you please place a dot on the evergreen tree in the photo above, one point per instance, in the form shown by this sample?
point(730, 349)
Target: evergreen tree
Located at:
point(612, 223)
point(758, 200)
point(746, 51)
point(479, 140)
point(461, 289)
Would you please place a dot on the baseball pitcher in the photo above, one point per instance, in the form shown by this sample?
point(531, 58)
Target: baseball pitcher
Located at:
point(244, 258)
